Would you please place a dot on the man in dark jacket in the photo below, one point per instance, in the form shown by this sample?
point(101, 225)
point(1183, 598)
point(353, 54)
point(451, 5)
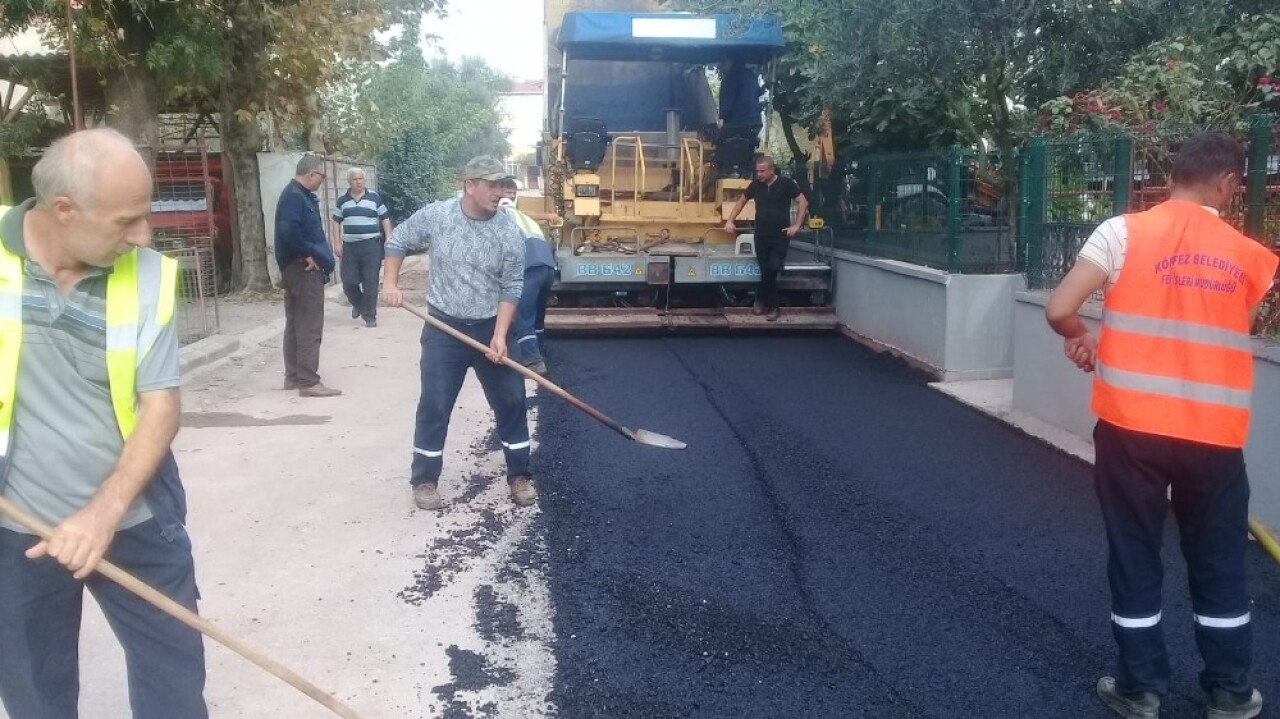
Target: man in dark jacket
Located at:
point(306, 261)
point(740, 98)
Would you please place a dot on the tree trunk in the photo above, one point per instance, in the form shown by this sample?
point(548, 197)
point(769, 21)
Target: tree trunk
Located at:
point(799, 157)
point(249, 34)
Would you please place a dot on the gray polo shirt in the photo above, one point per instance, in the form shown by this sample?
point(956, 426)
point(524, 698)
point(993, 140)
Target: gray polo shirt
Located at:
point(65, 440)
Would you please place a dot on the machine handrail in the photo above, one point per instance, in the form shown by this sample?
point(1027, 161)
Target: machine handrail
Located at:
point(695, 171)
point(638, 168)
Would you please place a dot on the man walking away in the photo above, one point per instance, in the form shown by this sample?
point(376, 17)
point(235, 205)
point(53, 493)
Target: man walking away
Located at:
point(306, 262)
point(773, 195)
point(1173, 372)
point(360, 222)
point(477, 274)
point(89, 404)
point(539, 274)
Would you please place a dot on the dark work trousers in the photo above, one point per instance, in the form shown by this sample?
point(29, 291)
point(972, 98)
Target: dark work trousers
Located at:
point(361, 265)
point(40, 609)
point(444, 366)
point(1210, 498)
point(303, 323)
point(771, 254)
point(531, 315)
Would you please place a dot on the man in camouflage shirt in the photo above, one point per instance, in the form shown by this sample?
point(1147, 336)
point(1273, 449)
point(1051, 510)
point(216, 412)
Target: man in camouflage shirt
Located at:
point(477, 275)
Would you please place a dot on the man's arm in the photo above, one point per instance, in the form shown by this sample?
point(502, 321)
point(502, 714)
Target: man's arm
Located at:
point(287, 224)
point(411, 236)
point(802, 209)
point(83, 538)
point(336, 241)
point(386, 226)
point(1063, 311)
point(511, 285)
point(737, 207)
point(391, 293)
point(498, 345)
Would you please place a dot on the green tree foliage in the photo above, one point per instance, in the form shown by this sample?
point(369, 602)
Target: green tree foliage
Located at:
point(1211, 78)
point(420, 121)
point(910, 74)
point(242, 58)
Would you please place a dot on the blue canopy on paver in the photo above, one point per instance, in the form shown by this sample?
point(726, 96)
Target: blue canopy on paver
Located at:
point(669, 37)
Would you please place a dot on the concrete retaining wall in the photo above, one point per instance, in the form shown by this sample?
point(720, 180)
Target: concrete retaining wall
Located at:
point(1050, 388)
point(961, 326)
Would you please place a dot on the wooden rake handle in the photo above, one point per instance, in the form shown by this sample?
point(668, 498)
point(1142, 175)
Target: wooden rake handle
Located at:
point(189, 618)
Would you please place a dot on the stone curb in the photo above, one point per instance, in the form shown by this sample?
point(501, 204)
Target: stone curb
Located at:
point(211, 349)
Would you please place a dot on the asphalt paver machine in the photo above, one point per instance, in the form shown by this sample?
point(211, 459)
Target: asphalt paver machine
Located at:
point(641, 179)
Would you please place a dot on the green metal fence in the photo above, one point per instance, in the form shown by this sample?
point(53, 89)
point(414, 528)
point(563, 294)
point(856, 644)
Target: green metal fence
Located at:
point(940, 209)
point(1069, 185)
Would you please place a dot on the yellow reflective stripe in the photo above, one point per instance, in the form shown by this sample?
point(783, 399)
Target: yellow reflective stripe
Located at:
point(168, 291)
point(1178, 330)
point(527, 224)
point(1173, 387)
point(10, 338)
point(122, 337)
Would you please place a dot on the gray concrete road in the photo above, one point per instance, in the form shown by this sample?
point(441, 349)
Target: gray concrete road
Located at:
point(309, 548)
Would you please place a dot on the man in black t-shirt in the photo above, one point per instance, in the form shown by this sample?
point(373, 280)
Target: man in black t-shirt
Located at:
point(773, 195)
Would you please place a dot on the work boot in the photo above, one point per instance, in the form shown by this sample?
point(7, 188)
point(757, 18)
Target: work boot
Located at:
point(370, 323)
point(773, 315)
point(1130, 705)
point(426, 496)
point(318, 390)
point(522, 492)
point(355, 312)
point(1225, 705)
point(290, 384)
point(758, 308)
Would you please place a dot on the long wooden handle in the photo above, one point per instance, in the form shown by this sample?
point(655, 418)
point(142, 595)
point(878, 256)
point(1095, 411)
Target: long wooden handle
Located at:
point(189, 618)
point(555, 389)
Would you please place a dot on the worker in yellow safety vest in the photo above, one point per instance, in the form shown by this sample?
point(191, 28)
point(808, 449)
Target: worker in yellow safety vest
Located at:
point(89, 404)
point(1172, 374)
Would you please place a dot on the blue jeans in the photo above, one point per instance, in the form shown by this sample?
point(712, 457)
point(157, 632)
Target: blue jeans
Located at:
point(1210, 501)
point(444, 366)
point(531, 315)
point(40, 609)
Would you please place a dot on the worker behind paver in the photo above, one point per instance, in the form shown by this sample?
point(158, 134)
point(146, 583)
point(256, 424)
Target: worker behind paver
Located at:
point(539, 273)
point(306, 262)
point(1172, 377)
point(740, 93)
point(773, 194)
point(477, 273)
point(89, 404)
point(360, 222)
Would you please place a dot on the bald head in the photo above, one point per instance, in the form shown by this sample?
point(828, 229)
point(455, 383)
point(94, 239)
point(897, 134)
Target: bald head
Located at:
point(78, 165)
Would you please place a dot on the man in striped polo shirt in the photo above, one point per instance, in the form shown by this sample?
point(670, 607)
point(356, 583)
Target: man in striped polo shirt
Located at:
point(360, 225)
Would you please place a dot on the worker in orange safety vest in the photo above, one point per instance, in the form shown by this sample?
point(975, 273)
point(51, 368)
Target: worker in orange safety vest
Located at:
point(1172, 375)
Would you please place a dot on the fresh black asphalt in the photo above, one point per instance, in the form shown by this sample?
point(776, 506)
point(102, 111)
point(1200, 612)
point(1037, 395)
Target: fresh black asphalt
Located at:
point(839, 540)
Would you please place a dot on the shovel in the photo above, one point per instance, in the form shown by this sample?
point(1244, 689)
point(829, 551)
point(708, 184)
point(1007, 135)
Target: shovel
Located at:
point(189, 618)
point(643, 436)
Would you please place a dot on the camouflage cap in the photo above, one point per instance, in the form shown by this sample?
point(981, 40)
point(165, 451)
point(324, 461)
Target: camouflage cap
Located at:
point(484, 168)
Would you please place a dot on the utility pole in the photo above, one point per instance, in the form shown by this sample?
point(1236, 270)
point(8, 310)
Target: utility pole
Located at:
point(77, 119)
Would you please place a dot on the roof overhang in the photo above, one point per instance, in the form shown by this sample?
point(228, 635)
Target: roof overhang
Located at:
point(669, 37)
